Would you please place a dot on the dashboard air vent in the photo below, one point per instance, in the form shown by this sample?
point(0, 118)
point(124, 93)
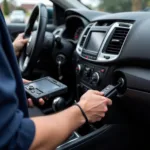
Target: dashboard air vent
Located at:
point(82, 41)
point(117, 41)
point(84, 36)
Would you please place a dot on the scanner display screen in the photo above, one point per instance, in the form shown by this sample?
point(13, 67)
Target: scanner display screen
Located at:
point(44, 86)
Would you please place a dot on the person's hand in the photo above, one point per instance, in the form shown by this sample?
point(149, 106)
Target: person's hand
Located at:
point(30, 102)
point(19, 43)
point(95, 105)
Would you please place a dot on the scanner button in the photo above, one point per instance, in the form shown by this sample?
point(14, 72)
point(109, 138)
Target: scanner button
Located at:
point(31, 88)
point(38, 92)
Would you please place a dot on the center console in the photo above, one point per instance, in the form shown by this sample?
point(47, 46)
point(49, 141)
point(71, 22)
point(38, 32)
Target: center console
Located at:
point(99, 45)
point(90, 76)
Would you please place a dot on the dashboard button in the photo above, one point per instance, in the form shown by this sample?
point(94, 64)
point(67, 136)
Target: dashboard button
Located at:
point(93, 57)
point(107, 57)
point(79, 69)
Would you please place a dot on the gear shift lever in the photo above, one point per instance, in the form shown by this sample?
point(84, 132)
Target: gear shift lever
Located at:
point(59, 104)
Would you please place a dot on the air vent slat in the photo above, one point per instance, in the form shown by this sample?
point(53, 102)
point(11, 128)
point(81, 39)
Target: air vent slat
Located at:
point(112, 51)
point(85, 36)
point(113, 46)
point(119, 37)
point(117, 41)
point(82, 41)
point(86, 32)
point(122, 34)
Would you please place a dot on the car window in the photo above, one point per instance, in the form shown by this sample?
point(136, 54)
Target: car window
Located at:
point(19, 11)
point(117, 5)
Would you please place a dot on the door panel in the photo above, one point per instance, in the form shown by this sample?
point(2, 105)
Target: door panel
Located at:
point(15, 29)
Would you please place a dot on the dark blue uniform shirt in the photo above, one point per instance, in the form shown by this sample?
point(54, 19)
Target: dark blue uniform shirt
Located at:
point(16, 129)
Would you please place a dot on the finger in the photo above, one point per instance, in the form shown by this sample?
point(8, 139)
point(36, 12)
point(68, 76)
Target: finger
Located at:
point(25, 41)
point(109, 102)
point(98, 118)
point(100, 98)
point(41, 101)
point(20, 35)
point(102, 115)
point(30, 102)
point(26, 81)
point(99, 93)
point(105, 109)
point(106, 100)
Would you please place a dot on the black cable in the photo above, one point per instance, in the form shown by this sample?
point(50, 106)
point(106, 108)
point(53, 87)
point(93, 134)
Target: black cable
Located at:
point(83, 113)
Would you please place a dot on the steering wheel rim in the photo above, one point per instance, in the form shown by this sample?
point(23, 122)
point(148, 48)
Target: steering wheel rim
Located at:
point(32, 50)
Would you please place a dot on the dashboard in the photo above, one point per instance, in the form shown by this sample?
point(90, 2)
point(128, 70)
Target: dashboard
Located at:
point(74, 27)
point(110, 46)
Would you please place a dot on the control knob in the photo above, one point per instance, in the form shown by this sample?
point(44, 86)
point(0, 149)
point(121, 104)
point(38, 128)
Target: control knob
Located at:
point(95, 78)
point(87, 72)
point(79, 69)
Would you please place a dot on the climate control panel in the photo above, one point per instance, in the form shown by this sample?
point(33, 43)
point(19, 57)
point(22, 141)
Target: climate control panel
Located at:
point(89, 74)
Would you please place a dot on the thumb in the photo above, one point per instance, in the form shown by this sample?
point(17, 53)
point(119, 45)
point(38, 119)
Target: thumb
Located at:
point(25, 41)
point(99, 93)
point(26, 81)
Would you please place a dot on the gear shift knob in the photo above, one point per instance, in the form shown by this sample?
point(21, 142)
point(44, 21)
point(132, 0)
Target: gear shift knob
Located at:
point(59, 104)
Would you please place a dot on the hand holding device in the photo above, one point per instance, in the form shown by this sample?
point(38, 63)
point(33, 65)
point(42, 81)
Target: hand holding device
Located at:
point(45, 88)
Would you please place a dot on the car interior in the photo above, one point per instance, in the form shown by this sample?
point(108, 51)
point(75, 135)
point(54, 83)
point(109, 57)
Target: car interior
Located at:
point(85, 49)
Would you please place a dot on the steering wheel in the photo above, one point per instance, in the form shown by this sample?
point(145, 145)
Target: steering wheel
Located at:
point(32, 50)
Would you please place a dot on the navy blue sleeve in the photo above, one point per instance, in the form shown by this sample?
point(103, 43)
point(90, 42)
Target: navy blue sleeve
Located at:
point(17, 131)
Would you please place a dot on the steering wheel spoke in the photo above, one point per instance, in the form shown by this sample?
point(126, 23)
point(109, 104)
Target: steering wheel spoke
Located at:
point(26, 62)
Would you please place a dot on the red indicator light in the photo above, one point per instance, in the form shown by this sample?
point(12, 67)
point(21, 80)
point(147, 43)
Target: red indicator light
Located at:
point(102, 70)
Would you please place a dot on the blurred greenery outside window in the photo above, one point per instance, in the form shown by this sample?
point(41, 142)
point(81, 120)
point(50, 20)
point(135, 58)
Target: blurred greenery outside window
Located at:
point(118, 5)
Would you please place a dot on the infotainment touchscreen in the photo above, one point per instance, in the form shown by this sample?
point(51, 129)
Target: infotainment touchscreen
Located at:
point(95, 41)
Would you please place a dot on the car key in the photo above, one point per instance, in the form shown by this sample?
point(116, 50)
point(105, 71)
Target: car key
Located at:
point(109, 90)
point(112, 90)
point(59, 71)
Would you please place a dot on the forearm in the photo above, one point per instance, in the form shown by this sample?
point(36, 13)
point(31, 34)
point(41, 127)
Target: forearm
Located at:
point(53, 130)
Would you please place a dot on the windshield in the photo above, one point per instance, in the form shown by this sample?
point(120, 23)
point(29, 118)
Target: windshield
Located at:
point(17, 12)
point(117, 5)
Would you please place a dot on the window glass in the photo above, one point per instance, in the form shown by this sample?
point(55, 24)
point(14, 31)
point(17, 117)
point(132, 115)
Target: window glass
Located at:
point(117, 5)
point(18, 11)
